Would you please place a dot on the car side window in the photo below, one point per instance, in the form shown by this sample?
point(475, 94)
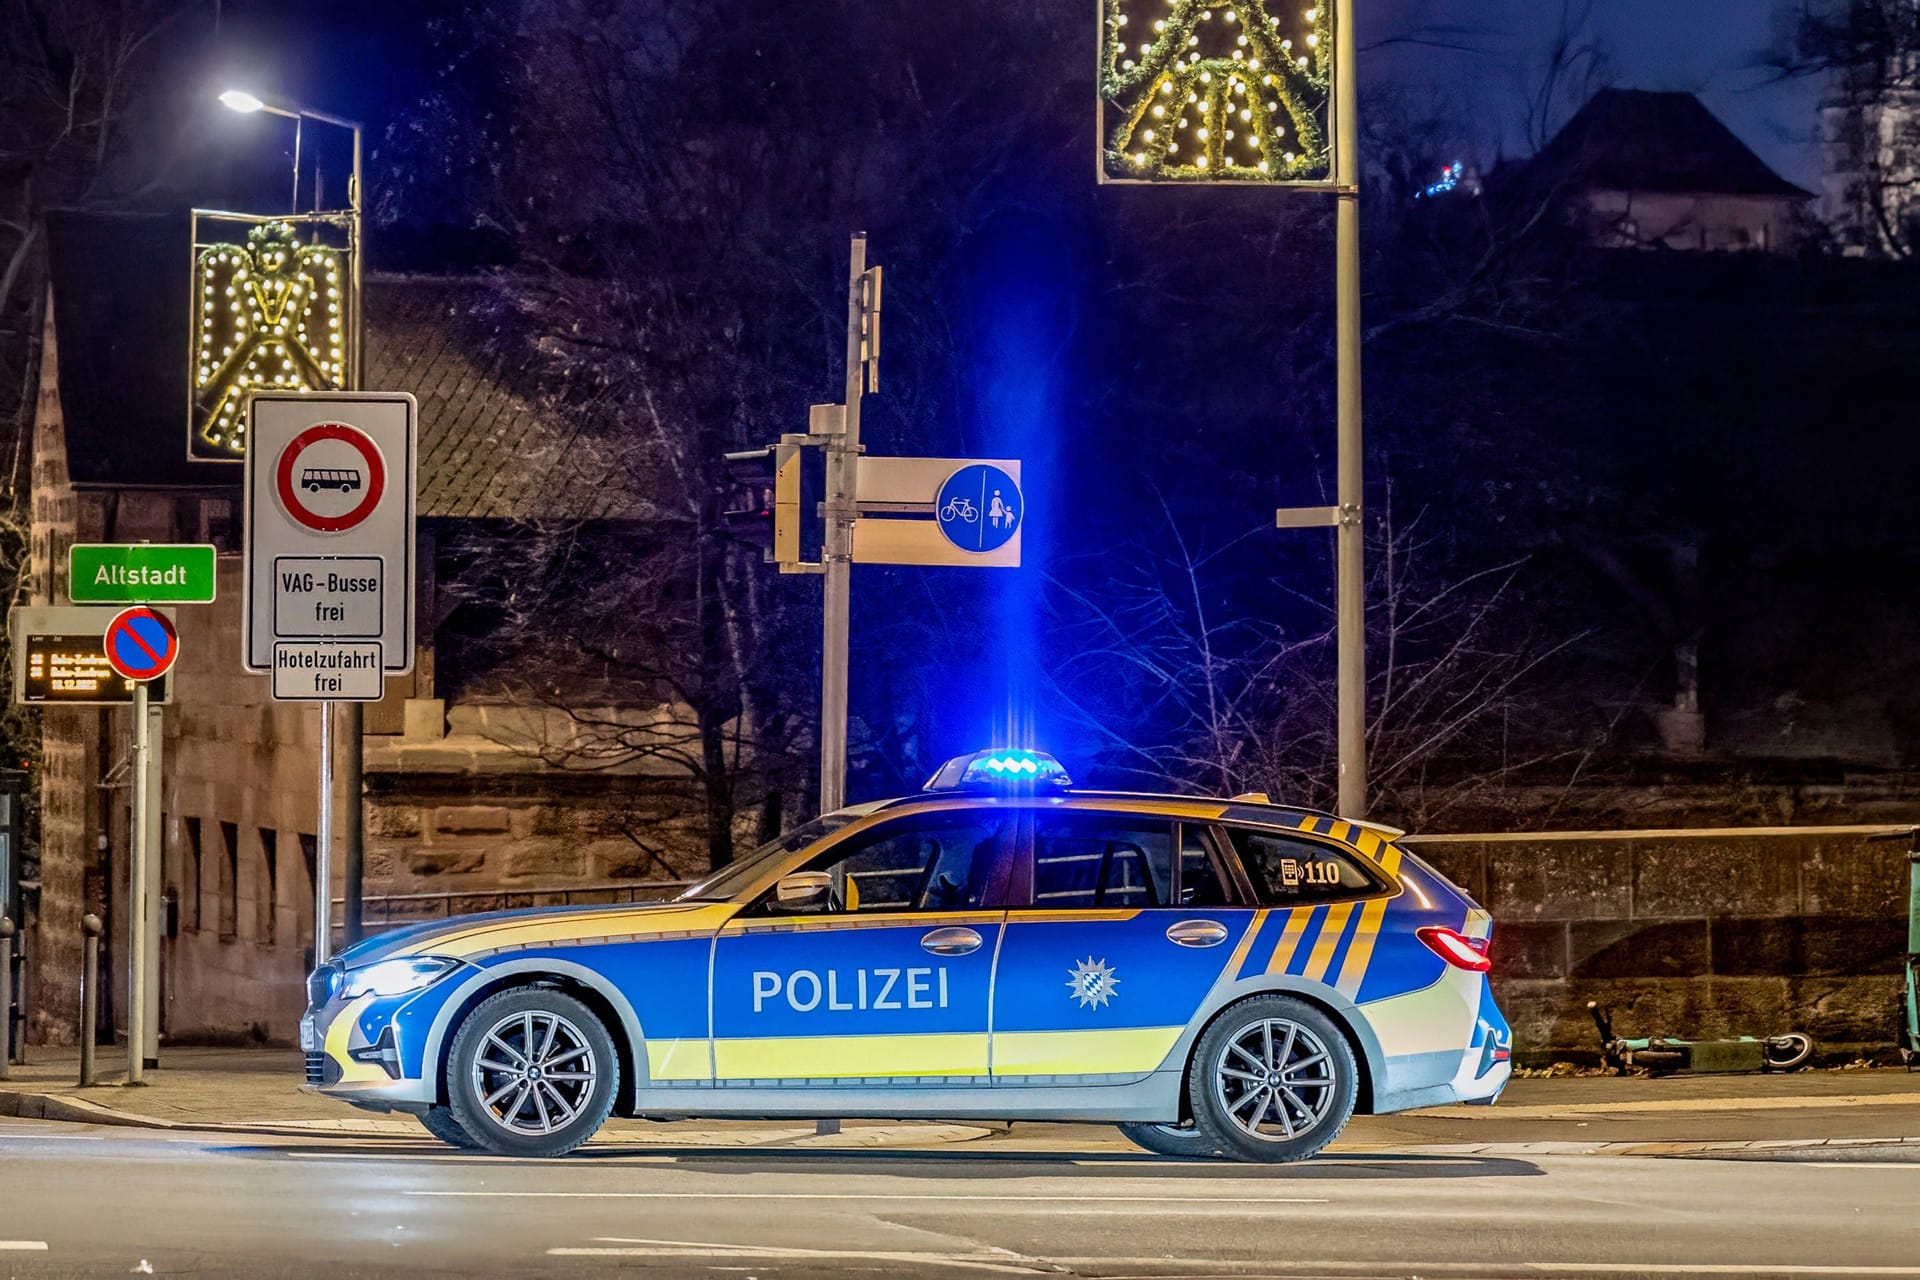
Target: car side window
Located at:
point(1291, 870)
point(934, 862)
point(1201, 884)
point(1101, 860)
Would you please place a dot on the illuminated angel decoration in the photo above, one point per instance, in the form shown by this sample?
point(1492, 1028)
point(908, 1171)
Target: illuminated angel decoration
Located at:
point(1216, 89)
point(269, 316)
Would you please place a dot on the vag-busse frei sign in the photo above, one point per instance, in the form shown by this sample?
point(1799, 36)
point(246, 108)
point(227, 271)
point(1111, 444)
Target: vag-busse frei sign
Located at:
point(329, 542)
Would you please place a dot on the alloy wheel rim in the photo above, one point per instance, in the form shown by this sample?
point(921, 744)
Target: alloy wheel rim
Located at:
point(1275, 1080)
point(535, 1073)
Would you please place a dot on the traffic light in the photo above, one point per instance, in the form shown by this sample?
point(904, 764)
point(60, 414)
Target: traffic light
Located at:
point(763, 500)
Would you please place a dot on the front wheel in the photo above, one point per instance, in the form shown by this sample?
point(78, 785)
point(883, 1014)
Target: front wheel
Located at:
point(439, 1122)
point(533, 1072)
point(1273, 1081)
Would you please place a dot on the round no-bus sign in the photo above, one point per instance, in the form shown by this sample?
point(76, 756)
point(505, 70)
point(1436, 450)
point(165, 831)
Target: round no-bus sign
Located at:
point(330, 477)
point(141, 644)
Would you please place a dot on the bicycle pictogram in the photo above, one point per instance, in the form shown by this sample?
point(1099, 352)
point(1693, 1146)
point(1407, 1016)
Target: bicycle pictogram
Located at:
point(960, 509)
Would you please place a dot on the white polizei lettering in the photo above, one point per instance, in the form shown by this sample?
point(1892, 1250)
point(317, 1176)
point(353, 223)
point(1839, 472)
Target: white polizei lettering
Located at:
point(806, 990)
point(793, 987)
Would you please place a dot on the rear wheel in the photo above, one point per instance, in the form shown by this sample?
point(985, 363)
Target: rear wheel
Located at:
point(1273, 1081)
point(1788, 1052)
point(1171, 1139)
point(533, 1072)
point(439, 1122)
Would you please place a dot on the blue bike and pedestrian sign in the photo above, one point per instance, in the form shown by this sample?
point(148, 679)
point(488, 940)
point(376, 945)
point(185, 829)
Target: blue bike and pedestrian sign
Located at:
point(979, 508)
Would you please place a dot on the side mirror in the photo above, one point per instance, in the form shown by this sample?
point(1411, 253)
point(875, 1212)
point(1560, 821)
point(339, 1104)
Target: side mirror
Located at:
point(804, 891)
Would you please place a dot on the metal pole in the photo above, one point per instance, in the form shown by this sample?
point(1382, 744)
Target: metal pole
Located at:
point(352, 862)
point(6, 996)
point(156, 751)
point(352, 758)
point(137, 895)
point(323, 844)
point(843, 455)
point(1350, 592)
point(90, 928)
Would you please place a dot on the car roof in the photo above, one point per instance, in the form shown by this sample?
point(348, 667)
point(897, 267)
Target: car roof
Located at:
point(1238, 809)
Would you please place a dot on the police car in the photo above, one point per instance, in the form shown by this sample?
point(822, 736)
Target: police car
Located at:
point(1214, 976)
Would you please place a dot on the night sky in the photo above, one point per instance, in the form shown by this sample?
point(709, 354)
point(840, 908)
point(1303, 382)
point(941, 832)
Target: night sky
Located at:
point(1708, 47)
point(1712, 47)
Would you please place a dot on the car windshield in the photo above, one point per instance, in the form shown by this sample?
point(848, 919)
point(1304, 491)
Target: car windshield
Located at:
point(723, 884)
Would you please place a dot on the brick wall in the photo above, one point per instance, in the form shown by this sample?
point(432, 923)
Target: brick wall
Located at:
point(1689, 933)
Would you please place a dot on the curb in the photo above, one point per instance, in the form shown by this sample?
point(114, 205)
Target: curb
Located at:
point(70, 1110)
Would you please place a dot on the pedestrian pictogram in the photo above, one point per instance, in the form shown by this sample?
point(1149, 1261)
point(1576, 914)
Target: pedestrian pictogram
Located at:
point(141, 644)
point(979, 508)
point(330, 477)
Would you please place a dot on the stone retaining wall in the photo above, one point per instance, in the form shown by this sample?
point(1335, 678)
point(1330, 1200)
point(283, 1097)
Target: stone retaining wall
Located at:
point(1689, 933)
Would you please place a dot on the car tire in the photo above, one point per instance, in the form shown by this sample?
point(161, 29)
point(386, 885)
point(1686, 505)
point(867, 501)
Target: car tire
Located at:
point(439, 1122)
point(532, 1072)
point(1273, 1081)
point(1183, 1140)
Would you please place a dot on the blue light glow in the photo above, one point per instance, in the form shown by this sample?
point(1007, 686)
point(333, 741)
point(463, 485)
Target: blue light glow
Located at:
point(999, 768)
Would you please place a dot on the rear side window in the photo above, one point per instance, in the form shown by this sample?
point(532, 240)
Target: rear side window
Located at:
point(1092, 860)
point(1288, 870)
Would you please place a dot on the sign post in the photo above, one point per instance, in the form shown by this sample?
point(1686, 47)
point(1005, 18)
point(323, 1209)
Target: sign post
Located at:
point(140, 645)
point(329, 573)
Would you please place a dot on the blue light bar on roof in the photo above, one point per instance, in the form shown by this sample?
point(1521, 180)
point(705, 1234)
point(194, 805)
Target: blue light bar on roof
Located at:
point(999, 768)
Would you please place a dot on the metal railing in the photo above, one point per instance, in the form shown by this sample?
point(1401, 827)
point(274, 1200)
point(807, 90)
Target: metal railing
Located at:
point(407, 908)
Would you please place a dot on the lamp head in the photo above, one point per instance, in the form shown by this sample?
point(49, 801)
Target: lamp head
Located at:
point(242, 101)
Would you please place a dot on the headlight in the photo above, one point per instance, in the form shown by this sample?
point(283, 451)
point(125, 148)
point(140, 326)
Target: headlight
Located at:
point(396, 977)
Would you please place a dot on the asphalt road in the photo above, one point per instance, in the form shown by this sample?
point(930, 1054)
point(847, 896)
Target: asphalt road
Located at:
point(81, 1201)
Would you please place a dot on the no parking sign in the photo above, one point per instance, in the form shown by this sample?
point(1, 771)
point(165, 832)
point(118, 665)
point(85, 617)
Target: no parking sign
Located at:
point(141, 644)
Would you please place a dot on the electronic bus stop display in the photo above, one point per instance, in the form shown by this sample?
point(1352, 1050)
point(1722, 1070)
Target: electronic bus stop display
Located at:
point(60, 658)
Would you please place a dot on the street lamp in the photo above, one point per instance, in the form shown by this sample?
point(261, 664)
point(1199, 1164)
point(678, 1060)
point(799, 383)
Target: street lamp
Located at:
point(246, 103)
point(352, 761)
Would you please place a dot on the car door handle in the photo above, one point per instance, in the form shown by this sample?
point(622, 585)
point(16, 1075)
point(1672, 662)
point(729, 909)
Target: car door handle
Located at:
point(1197, 933)
point(954, 941)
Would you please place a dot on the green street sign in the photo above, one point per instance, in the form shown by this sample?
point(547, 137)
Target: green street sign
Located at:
point(140, 573)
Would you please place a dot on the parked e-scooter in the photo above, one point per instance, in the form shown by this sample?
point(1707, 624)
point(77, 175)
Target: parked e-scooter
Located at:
point(1664, 1055)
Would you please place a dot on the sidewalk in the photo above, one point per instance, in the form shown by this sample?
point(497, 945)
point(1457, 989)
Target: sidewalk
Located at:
point(257, 1091)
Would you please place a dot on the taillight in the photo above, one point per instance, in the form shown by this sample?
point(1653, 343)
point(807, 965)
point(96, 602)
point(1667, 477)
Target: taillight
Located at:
point(1456, 948)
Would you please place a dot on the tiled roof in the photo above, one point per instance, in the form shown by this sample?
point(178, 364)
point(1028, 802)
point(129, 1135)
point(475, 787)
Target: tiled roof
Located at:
point(491, 446)
point(488, 450)
point(1634, 140)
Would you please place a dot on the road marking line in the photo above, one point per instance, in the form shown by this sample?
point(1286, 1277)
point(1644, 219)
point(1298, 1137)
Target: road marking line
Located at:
point(992, 1259)
point(1475, 1270)
point(1842, 1164)
point(472, 1157)
point(1542, 1111)
point(24, 1246)
point(849, 1195)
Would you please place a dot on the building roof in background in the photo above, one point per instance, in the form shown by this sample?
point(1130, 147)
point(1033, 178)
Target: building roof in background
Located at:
point(486, 450)
point(489, 447)
point(1635, 140)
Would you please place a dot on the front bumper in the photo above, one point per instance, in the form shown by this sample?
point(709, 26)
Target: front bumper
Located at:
point(374, 1051)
